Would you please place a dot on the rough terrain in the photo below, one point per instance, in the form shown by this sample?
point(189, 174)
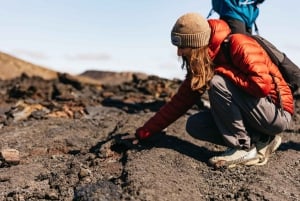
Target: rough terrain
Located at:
point(67, 134)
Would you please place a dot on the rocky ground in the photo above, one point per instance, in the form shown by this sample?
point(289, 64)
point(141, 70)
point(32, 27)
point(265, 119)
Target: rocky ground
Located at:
point(60, 139)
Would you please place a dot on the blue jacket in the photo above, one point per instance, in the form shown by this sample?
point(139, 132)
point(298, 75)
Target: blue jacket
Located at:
point(243, 10)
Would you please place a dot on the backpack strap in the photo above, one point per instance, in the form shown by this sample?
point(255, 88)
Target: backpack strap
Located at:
point(256, 28)
point(225, 48)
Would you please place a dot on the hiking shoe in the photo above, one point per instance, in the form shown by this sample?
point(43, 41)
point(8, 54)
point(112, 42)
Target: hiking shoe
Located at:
point(265, 149)
point(232, 157)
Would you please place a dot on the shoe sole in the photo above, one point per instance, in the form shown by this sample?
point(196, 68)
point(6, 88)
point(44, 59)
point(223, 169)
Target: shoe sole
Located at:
point(232, 164)
point(246, 159)
point(273, 146)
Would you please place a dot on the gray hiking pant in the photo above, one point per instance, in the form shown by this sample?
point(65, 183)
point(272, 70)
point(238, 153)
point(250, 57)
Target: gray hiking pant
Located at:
point(235, 118)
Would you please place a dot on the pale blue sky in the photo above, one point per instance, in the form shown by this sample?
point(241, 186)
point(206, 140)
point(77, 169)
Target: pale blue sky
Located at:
point(120, 35)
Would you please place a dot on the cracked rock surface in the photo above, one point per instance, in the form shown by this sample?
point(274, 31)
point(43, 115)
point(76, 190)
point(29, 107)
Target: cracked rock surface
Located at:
point(68, 138)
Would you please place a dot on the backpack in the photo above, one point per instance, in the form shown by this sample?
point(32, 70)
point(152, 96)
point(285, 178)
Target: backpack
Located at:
point(244, 11)
point(289, 70)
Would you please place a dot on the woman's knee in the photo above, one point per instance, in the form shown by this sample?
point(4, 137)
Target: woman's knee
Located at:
point(199, 122)
point(190, 126)
point(202, 127)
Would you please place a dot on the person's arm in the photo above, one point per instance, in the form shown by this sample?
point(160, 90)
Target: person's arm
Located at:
point(183, 100)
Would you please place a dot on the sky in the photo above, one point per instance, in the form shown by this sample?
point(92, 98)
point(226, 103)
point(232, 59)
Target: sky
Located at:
point(121, 35)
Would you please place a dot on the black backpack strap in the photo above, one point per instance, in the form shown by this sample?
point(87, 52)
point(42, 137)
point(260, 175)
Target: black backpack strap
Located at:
point(225, 48)
point(256, 28)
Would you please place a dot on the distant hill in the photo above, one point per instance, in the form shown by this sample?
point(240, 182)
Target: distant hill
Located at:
point(113, 78)
point(12, 67)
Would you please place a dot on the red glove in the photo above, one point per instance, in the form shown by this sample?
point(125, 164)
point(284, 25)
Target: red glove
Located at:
point(142, 133)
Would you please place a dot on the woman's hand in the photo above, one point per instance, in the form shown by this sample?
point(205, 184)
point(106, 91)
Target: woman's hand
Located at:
point(140, 134)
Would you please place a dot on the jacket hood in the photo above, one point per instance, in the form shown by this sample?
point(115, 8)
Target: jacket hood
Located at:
point(219, 31)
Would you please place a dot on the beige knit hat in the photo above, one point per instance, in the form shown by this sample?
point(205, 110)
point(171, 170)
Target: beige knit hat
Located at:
point(191, 30)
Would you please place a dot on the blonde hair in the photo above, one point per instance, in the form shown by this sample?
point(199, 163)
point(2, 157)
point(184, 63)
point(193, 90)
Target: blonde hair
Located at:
point(200, 68)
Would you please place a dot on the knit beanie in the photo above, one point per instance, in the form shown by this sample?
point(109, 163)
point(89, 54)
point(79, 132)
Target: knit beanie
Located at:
point(191, 30)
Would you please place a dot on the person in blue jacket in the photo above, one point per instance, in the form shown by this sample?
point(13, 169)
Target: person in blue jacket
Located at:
point(239, 14)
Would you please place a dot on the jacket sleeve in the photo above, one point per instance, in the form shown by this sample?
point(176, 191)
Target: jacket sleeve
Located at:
point(183, 100)
point(249, 68)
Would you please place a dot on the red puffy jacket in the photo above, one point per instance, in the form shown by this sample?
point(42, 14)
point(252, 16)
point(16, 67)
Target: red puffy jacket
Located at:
point(249, 68)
